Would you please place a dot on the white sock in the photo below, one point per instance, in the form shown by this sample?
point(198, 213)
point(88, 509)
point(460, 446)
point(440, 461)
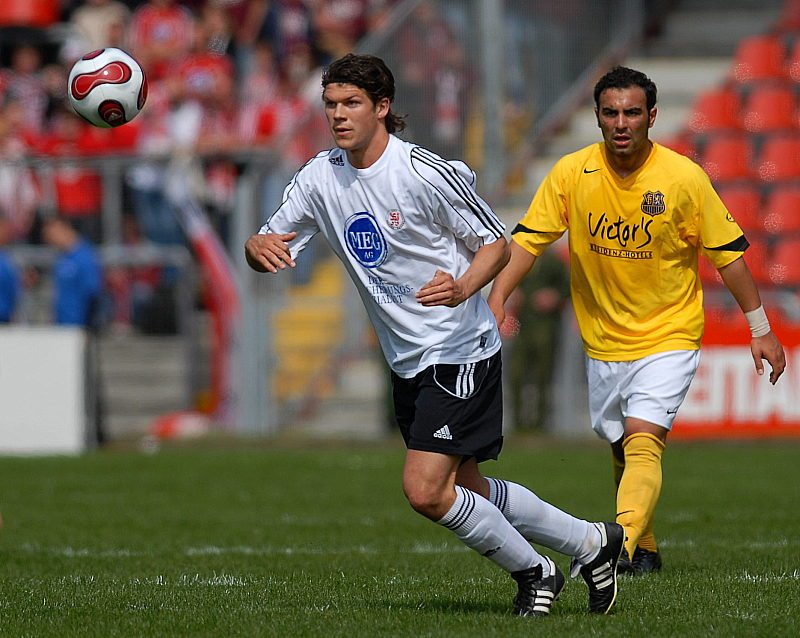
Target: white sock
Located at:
point(480, 525)
point(540, 522)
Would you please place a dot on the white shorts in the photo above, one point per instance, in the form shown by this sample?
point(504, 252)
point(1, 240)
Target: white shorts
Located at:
point(651, 389)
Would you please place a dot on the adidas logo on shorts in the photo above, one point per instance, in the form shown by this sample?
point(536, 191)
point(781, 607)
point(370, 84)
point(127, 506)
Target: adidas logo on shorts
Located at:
point(443, 433)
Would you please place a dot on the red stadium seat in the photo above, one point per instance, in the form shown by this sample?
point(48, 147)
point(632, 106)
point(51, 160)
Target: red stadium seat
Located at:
point(789, 19)
point(782, 211)
point(784, 267)
point(758, 58)
point(779, 159)
point(715, 111)
point(744, 204)
point(708, 274)
point(793, 63)
point(756, 259)
point(727, 158)
point(681, 144)
point(769, 109)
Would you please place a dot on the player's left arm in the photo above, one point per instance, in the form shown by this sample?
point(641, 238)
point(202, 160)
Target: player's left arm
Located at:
point(445, 290)
point(764, 345)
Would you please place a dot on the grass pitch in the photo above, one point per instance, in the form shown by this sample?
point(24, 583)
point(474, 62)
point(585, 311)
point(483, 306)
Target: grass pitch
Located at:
point(281, 541)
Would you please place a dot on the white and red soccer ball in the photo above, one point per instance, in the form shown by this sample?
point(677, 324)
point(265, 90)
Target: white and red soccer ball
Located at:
point(107, 87)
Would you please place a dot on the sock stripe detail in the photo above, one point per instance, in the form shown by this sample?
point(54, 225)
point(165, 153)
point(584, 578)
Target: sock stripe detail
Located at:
point(500, 496)
point(464, 511)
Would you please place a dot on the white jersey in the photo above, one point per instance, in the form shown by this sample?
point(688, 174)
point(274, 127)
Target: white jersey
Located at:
point(394, 225)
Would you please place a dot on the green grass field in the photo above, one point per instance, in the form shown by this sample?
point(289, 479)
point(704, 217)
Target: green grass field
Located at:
point(279, 540)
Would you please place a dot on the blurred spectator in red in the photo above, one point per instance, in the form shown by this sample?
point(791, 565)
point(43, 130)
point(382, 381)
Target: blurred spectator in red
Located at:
point(77, 187)
point(208, 74)
point(23, 81)
point(339, 24)
point(29, 13)
point(259, 84)
point(132, 287)
point(160, 36)
point(19, 191)
point(169, 124)
point(97, 23)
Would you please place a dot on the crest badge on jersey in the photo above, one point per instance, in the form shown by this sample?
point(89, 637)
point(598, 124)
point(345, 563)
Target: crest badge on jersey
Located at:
point(395, 219)
point(365, 240)
point(653, 203)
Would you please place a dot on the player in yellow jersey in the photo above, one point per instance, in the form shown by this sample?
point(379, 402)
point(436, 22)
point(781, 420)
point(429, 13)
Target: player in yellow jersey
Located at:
point(639, 215)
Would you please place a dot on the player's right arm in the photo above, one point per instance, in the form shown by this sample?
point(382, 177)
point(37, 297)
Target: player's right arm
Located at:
point(269, 252)
point(519, 264)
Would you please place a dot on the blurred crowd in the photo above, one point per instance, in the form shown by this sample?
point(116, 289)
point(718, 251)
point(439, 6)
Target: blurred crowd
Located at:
point(224, 77)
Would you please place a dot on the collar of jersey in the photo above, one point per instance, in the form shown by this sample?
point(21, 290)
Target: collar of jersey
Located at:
point(377, 167)
point(630, 179)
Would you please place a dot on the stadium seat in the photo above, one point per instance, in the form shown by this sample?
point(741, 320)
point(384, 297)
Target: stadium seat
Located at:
point(789, 19)
point(708, 274)
point(779, 159)
point(769, 109)
point(744, 204)
point(727, 158)
point(756, 259)
point(715, 111)
point(784, 267)
point(782, 211)
point(793, 63)
point(758, 58)
point(681, 144)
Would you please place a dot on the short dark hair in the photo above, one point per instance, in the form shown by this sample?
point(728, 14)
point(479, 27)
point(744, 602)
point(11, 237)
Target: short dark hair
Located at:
point(370, 73)
point(621, 77)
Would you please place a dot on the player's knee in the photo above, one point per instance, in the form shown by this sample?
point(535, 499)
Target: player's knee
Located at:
point(426, 501)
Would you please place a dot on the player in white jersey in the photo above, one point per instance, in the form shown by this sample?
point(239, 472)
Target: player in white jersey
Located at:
point(419, 244)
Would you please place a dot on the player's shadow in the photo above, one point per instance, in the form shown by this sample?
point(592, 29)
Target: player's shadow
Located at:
point(441, 605)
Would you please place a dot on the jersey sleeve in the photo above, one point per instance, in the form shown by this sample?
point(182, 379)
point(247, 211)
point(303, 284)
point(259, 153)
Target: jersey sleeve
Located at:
point(721, 239)
point(296, 212)
point(458, 205)
point(546, 219)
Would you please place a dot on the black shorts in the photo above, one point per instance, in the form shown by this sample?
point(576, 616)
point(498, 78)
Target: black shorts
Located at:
point(452, 409)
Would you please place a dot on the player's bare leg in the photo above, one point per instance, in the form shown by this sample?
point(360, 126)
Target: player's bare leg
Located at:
point(429, 483)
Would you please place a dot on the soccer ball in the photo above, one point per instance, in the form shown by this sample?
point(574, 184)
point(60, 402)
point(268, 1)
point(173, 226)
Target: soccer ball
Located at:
point(107, 87)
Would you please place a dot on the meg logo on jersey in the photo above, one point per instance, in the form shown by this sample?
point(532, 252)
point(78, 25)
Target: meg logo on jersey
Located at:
point(365, 240)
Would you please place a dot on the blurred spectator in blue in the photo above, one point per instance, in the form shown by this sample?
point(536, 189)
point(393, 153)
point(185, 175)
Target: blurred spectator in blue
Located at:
point(77, 276)
point(9, 276)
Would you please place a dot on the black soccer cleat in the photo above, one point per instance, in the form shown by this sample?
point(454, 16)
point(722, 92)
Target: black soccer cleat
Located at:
point(624, 564)
point(645, 562)
point(535, 595)
point(601, 574)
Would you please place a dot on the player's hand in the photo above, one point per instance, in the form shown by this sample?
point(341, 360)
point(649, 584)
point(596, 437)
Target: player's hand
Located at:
point(442, 290)
point(768, 347)
point(270, 252)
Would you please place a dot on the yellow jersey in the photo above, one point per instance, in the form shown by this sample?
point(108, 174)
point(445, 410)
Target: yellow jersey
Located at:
point(634, 244)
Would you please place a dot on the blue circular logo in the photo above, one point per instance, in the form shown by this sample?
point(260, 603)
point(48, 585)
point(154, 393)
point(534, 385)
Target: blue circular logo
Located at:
point(364, 240)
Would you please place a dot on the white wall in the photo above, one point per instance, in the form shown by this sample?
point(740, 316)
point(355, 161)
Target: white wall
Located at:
point(42, 383)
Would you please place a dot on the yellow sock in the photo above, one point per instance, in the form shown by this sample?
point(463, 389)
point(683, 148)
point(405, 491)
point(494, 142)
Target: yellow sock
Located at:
point(640, 485)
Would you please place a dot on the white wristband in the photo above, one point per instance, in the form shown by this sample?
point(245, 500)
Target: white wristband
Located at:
point(759, 324)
